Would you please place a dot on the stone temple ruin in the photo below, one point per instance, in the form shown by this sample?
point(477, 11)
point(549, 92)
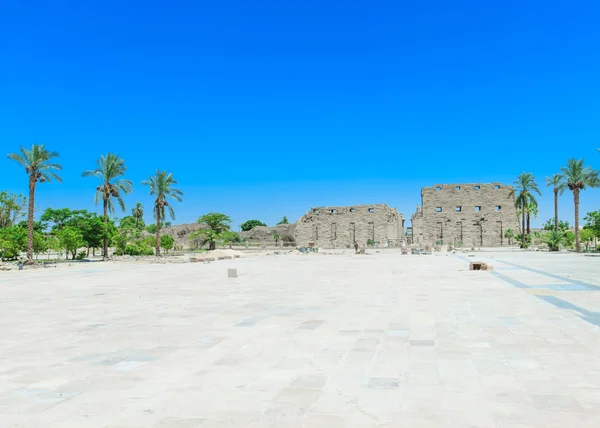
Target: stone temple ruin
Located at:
point(471, 215)
point(342, 227)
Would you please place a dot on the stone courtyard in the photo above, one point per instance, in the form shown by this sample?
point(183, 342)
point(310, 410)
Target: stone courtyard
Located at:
point(341, 340)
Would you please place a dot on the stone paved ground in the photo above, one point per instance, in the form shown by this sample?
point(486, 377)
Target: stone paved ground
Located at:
point(330, 341)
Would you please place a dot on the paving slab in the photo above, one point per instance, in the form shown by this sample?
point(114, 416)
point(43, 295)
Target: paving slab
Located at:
point(382, 340)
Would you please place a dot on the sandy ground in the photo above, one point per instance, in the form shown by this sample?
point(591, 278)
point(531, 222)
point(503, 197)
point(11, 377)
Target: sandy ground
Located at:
point(334, 340)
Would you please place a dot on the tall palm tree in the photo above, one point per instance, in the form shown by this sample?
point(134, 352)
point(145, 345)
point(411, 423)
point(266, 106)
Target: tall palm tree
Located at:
point(558, 185)
point(110, 168)
point(39, 167)
point(532, 210)
point(525, 185)
point(577, 177)
point(137, 213)
point(160, 186)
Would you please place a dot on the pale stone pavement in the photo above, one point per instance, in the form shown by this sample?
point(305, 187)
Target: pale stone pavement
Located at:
point(381, 340)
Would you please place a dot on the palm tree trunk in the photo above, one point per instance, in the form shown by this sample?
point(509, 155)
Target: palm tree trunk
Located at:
point(32, 181)
point(555, 208)
point(528, 223)
point(105, 255)
point(576, 201)
point(157, 230)
point(523, 226)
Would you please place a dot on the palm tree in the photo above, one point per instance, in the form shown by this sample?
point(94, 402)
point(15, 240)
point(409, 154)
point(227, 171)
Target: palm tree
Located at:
point(525, 184)
point(554, 239)
point(509, 234)
point(276, 238)
point(39, 167)
point(137, 213)
point(160, 186)
point(558, 184)
point(110, 167)
point(531, 209)
point(577, 177)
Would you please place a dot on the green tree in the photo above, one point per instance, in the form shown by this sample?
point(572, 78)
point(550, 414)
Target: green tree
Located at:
point(577, 177)
point(40, 243)
point(510, 235)
point(58, 217)
point(130, 221)
point(276, 238)
point(151, 228)
point(71, 239)
point(251, 224)
point(13, 240)
point(138, 214)
point(525, 185)
point(53, 243)
point(124, 236)
point(109, 169)
point(92, 227)
point(569, 238)
point(149, 241)
point(229, 238)
point(284, 220)
point(94, 230)
point(12, 208)
point(592, 220)
point(532, 210)
point(551, 224)
point(217, 224)
point(38, 226)
point(587, 237)
point(558, 186)
point(167, 242)
point(161, 187)
point(39, 167)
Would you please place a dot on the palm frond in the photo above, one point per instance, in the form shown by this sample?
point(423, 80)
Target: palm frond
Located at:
point(27, 153)
point(49, 176)
point(91, 173)
point(171, 212)
point(121, 203)
point(98, 197)
point(109, 168)
point(126, 186)
point(110, 206)
point(532, 201)
point(52, 166)
point(18, 158)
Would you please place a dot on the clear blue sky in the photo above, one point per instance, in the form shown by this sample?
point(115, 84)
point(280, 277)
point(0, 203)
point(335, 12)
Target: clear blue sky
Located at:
point(263, 109)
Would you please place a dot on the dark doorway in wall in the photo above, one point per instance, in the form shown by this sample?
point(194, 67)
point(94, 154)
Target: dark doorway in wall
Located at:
point(500, 232)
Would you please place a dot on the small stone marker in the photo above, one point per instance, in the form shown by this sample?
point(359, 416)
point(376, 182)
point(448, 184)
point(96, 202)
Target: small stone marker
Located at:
point(232, 273)
point(476, 266)
point(480, 266)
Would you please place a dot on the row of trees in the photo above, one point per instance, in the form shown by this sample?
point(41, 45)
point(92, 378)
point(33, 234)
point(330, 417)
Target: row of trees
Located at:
point(41, 166)
point(575, 176)
point(70, 230)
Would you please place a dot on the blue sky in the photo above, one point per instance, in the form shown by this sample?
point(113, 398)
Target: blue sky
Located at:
point(264, 109)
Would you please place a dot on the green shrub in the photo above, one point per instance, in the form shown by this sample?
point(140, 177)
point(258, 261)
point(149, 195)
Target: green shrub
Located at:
point(554, 239)
point(80, 255)
point(138, 249)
